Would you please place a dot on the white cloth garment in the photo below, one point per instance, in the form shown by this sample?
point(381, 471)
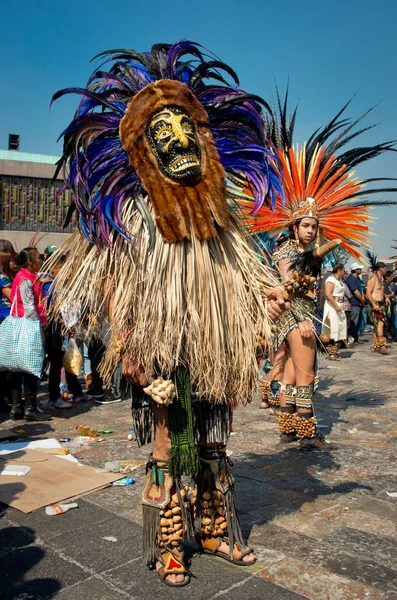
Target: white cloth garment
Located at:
point(334, 322)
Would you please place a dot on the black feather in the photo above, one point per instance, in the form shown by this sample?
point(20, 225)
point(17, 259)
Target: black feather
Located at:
point(332, 137)
point(307, 262)
point(69, 214)
point(373, 261)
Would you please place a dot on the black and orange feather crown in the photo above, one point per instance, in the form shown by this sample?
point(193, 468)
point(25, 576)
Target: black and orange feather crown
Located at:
point(320, 183)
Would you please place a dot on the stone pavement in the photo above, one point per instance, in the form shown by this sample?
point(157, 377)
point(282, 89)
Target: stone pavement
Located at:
point(322, 524)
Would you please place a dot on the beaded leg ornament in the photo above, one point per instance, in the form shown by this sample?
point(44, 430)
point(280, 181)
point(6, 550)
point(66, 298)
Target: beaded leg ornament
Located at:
point(333, 350)
point(306, 423)
point(264, 390)
point(214, 502)
point(285, 416)
point(305, 426)
point(286, 424)
point(382, 349)
point(166, 514)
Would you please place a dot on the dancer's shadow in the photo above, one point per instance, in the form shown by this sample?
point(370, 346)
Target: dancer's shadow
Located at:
point(19, 556)
point(330, 410)
point(273, 485)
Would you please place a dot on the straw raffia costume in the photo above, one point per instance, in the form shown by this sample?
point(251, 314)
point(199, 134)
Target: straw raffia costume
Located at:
point(318, 183)
point(152, 156)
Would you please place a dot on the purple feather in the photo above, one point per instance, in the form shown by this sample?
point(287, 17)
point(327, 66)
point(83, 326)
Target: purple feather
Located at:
point(100, 174)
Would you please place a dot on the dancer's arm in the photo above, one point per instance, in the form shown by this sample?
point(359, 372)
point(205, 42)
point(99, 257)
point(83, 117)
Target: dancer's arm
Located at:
point(284, 267)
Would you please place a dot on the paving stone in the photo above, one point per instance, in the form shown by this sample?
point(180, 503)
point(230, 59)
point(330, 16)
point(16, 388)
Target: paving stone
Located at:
point(379, 548)
point(36, 572)
point(313, 582)
point(88, 548)
point(364, 521)
point(91, 589)
point(281, 540)
point(314, 526)
point(256, 588)
point(121, 500)
point(47, 527)
point(381, 508)
point(357, 568)
point(14, 537)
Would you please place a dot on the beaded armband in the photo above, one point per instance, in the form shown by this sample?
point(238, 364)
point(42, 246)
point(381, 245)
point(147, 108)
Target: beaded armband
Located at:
point(287, 250)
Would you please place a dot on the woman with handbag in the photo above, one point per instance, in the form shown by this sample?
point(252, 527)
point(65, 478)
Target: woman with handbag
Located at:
point(28, 305)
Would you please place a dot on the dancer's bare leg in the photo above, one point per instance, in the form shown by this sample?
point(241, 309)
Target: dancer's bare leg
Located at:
point(286, 413)
point(162, 439)
point(303, 353)
point(288, 377)
point(381, 338)
point(302, 344)
point(378, 334)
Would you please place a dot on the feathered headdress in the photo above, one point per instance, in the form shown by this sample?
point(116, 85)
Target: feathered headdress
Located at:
point(100, 173)
point(319, 182)
point(188, 290)
point(373, 262)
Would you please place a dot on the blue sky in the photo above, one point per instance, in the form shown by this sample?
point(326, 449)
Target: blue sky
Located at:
point(329, 50)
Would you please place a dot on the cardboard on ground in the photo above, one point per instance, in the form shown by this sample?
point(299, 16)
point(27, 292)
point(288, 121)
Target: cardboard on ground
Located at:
point(9, 447)
point(50, 480)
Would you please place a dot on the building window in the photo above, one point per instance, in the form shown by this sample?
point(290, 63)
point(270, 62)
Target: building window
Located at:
point(33, 205)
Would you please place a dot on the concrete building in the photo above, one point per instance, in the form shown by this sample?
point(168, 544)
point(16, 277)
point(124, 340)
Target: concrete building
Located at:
point(30, 203)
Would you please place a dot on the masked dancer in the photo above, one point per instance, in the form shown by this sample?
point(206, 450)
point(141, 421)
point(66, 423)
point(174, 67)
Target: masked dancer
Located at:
point(153, 155)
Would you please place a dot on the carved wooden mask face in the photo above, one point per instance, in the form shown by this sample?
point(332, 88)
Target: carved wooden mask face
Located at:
point(173, 138)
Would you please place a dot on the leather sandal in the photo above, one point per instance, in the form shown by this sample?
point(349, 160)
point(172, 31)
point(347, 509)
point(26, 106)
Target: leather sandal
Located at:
point(288, 438)
point(172, 565)
point(317, 443)
point(211, 545)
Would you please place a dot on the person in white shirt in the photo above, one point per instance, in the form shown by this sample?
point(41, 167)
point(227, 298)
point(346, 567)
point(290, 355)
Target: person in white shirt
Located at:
point(334, 319)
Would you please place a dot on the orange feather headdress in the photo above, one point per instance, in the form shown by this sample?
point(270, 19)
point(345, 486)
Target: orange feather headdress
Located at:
point(320, 183)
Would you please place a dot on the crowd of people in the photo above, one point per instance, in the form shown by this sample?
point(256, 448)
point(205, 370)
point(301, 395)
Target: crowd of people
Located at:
point(349, 307)
point(26, 291)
